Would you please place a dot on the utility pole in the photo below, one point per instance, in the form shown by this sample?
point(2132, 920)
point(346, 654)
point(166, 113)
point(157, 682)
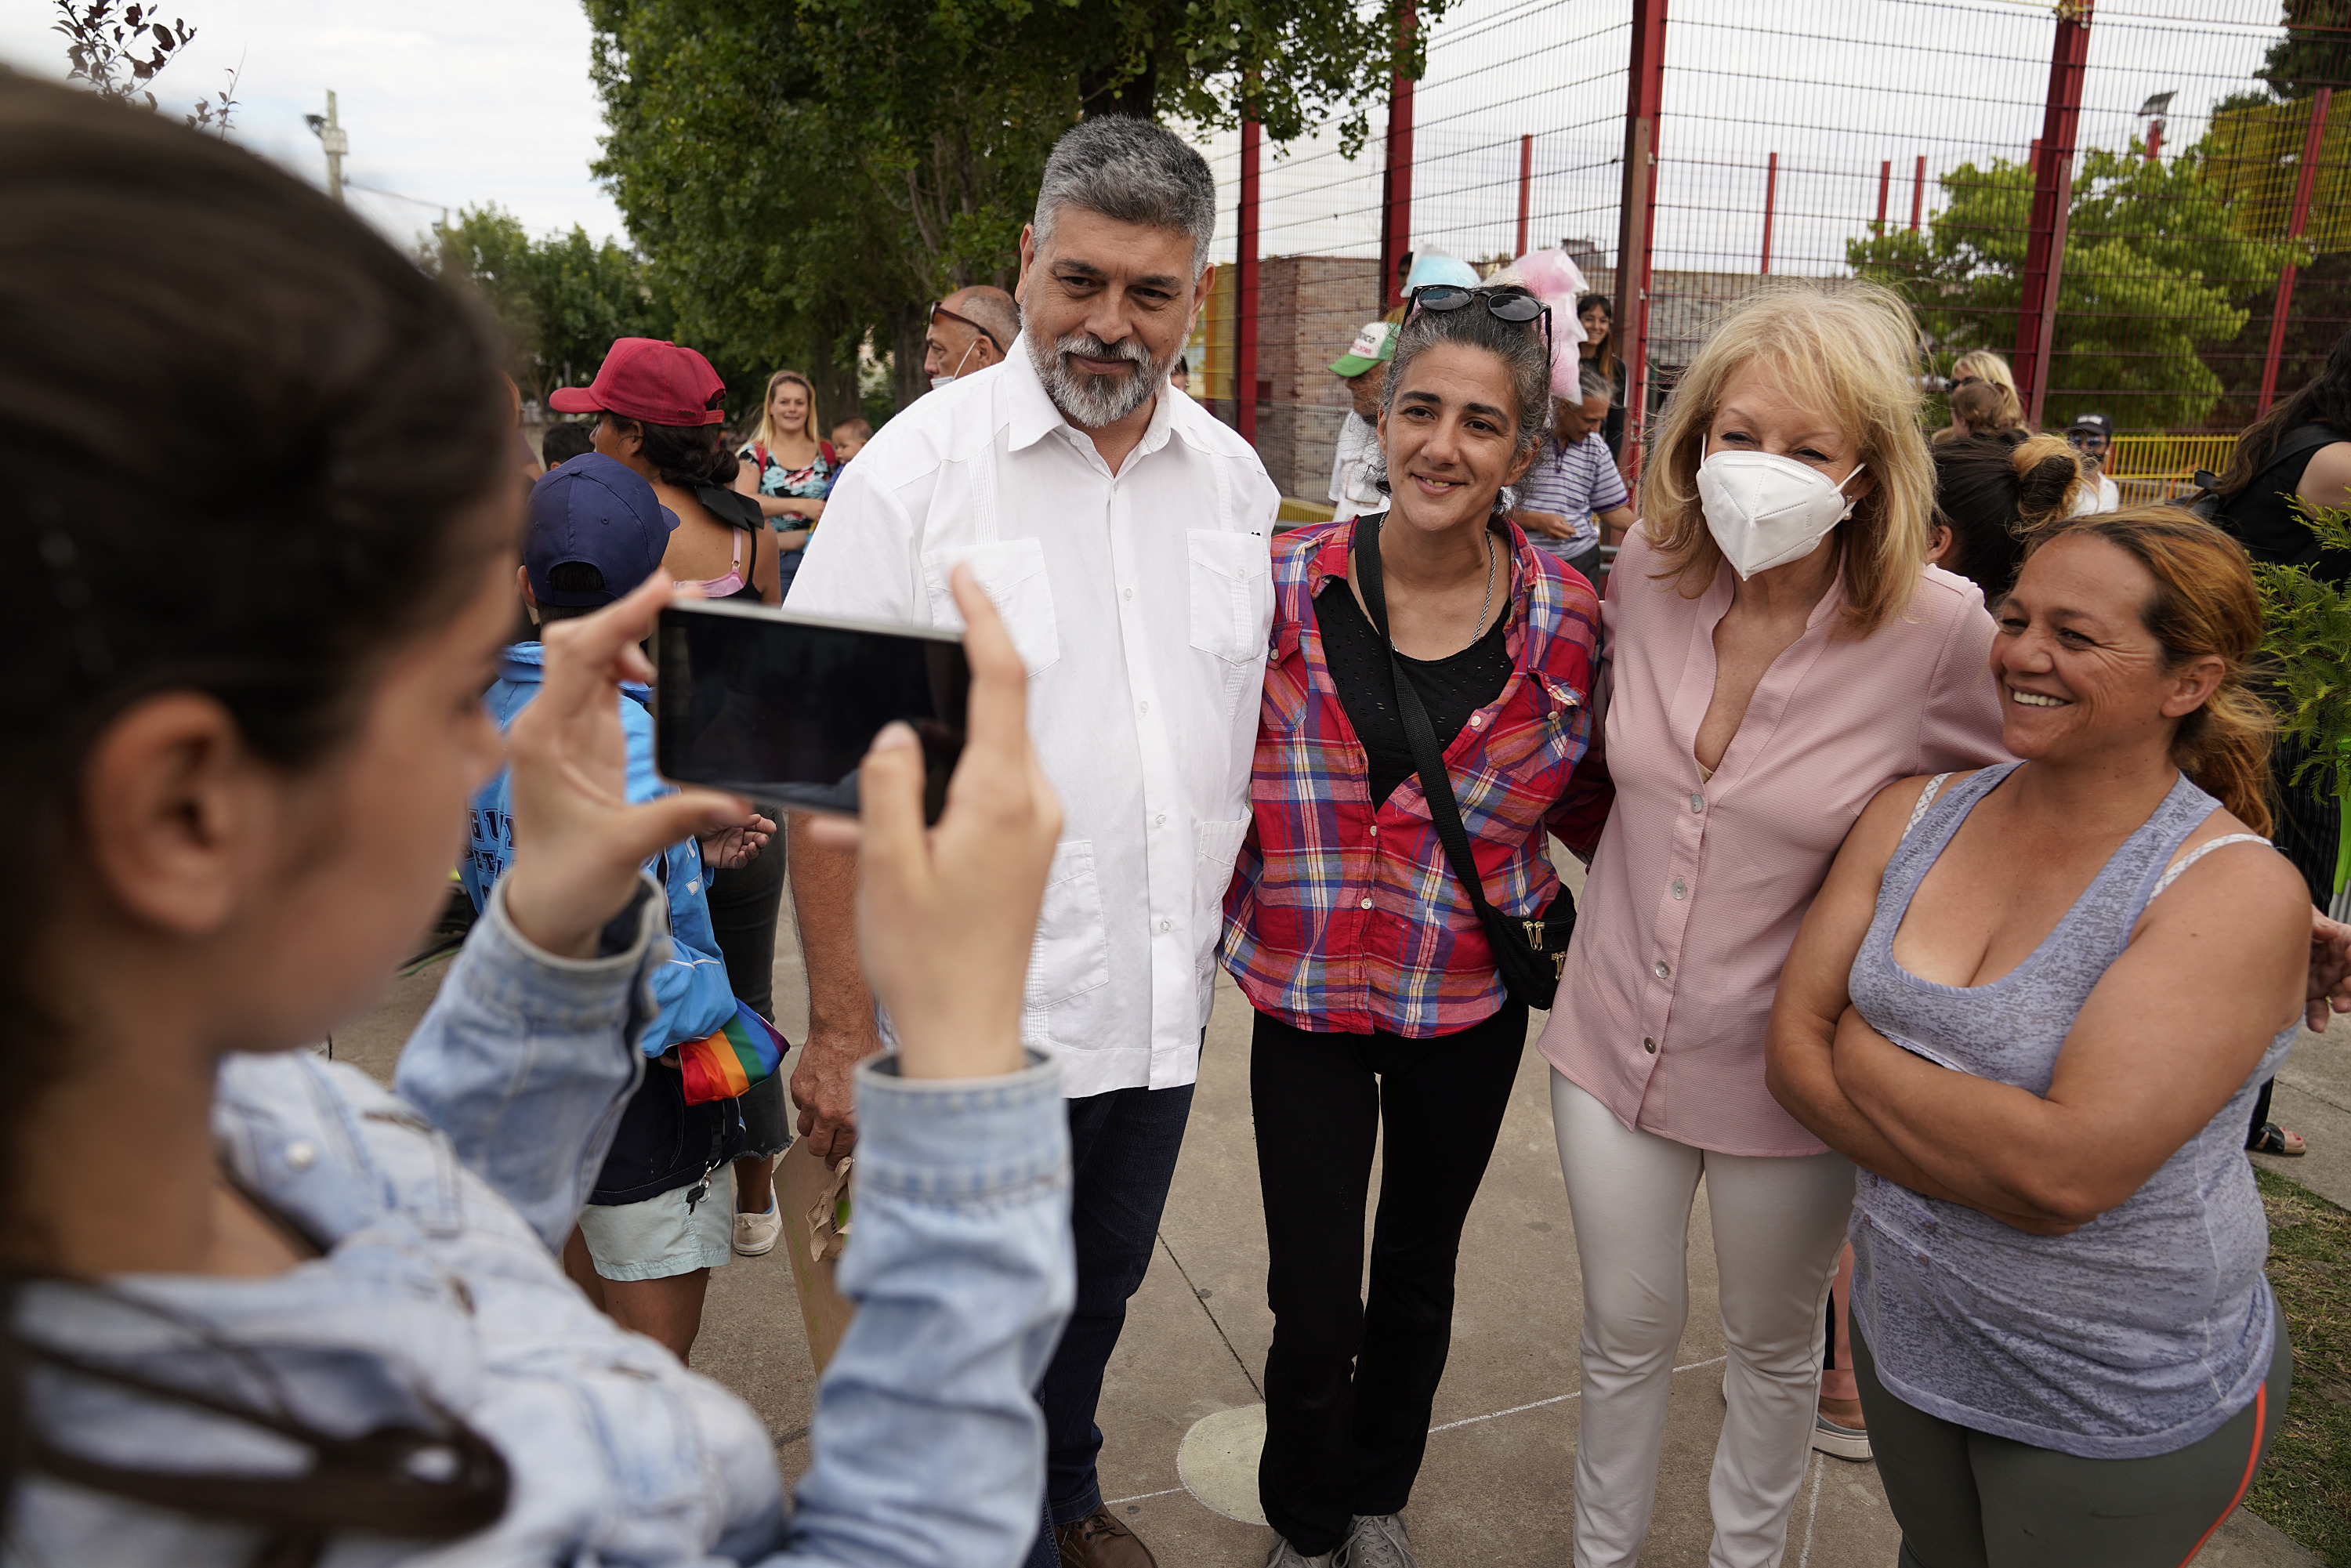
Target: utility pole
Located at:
point(335, 139)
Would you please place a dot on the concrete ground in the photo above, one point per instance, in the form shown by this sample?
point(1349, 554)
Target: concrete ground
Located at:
point(1495, 1490)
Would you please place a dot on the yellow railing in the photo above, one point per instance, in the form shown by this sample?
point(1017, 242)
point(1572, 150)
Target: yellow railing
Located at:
point(2161, 467)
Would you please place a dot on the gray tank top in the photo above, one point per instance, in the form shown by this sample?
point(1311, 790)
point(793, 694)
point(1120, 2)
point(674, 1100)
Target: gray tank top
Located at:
point(2140, 1333)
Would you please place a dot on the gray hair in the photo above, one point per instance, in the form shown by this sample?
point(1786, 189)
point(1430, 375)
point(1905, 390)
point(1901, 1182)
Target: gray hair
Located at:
point(1592, 384)
point(992, 308)
point(1131, 172)
point(1518, 344)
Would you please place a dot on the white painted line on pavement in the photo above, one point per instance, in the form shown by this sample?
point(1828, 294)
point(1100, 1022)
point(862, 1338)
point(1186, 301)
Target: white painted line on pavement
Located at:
point(1554, 1399)
point(1142, 1497)
point(1812, 1513)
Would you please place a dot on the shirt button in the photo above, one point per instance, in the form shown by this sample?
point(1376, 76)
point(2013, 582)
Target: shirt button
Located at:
point(1375, 829)
point(1160, 821)
point(1681, 888)
point(1144, 708)
point(1697, 804)
point(1664, 971)
point(1167, 925)
point(1649, 1045)
point(1476, 719)
point(1367, 903)
point(1128, 595)
point(301, 1155)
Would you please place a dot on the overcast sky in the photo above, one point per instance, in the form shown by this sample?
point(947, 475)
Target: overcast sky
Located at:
point(460, 102)
point(463, 102)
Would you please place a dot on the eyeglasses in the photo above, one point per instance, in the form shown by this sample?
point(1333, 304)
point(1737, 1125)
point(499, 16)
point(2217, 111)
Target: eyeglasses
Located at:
point(1959, 382)
point(938, 309)
point(1506, 304)
point(2086, 441)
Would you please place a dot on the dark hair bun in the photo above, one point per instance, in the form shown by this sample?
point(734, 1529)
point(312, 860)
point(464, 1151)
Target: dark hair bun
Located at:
point(2047, 473)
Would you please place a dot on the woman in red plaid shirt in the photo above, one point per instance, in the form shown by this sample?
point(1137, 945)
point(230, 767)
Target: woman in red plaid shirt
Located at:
point(1345, 924)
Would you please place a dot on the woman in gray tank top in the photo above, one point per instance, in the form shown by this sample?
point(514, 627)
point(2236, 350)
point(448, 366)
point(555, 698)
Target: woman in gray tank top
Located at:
point(2033, 1003)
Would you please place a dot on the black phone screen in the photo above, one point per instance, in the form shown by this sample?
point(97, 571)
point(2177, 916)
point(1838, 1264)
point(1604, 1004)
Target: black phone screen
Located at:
point(782, 707)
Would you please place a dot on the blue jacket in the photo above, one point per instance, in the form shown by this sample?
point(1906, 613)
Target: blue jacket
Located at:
point(439, 1209)
point(691, 988)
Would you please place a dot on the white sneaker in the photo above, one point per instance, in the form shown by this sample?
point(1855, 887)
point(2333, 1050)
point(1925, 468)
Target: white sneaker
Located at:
point(755, 1234)
point(1285, 1555)
point(1376, 1541)
point(1838, 1441)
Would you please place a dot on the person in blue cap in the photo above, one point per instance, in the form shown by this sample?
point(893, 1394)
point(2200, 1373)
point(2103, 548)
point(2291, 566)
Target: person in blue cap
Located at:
point(660, 1216)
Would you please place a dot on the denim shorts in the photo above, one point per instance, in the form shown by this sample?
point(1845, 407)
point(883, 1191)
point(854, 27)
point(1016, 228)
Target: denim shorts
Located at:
point(660, 1236)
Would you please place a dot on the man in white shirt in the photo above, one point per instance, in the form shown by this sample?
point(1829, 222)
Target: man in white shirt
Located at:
point(1125, 535)
point(2092, 434)
point(1364, 368)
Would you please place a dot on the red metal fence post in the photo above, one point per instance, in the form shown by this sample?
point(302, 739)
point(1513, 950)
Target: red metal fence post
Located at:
point(2311, 142)
point(1396, 194)
point(1526, 187)
point(1884, 183)
point(1918, 193)
point(2053, 193)
point(1637, 224)
point(1244, 290)
point(1770, 191)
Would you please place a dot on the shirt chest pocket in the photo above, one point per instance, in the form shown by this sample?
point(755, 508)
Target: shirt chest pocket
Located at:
point(1232, 591)
point(1012, 571)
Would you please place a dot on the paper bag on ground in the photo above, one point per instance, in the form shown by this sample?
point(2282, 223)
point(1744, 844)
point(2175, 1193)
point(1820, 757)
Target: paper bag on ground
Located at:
point(814, 1203)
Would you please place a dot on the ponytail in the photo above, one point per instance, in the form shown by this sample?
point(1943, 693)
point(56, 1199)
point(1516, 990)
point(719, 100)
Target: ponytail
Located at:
point(2205, 606)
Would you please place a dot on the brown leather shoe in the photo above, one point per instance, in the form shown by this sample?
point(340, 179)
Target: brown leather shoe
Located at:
point(1098, 1541)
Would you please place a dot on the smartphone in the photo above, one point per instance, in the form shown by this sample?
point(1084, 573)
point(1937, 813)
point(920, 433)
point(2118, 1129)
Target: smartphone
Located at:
point(781, 706)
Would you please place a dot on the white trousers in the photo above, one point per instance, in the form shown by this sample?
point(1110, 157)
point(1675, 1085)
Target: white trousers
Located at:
point(1778, 1224)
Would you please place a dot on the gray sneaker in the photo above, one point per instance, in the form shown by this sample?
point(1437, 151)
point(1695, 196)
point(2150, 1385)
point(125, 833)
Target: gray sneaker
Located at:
point(1376, 1541)
point(1285, 1555)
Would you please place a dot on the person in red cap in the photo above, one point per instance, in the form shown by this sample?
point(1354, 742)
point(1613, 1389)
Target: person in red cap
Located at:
point(658, 408)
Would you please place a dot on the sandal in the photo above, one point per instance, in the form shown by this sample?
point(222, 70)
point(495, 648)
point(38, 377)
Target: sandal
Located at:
point(2273, 1139)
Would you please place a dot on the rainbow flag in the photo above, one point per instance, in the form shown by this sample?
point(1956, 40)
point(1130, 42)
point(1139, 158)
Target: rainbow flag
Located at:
point(737, 1054)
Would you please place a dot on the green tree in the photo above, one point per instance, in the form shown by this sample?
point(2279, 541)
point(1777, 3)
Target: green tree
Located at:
point(2316, 51)
point(561, 301)
point(2152, 266)
point(805, 177)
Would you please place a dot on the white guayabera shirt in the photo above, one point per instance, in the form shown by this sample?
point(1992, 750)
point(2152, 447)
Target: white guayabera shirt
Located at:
point(1142, 602)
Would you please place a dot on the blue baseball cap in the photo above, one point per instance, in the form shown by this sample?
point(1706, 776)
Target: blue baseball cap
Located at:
point(596, 532)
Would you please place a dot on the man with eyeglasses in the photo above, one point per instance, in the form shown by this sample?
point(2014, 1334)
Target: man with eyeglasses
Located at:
point(968, 331)
point(2091, 435)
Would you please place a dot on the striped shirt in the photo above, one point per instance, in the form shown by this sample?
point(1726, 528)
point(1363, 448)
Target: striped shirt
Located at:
point(1345, 914)
point(1574, 482)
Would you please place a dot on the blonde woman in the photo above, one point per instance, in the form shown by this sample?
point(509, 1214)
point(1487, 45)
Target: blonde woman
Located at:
point(786, 468)
point(1779, 649)
point(1988, 369)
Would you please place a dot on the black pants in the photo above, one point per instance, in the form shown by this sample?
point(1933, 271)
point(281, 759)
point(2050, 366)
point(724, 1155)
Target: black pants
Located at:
point(1348, 1387)
point(1123, 1148)
point(744, 904)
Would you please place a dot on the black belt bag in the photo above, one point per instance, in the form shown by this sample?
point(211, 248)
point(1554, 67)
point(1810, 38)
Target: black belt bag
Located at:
point(1528, 952)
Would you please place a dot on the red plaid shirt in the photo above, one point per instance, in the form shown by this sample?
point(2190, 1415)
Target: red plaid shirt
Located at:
point(1346, 917)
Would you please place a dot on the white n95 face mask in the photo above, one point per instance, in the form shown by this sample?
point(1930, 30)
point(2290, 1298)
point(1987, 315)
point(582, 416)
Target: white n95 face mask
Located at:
point(1766, 510)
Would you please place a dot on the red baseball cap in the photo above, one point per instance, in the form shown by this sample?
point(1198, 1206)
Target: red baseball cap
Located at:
point(647, 379)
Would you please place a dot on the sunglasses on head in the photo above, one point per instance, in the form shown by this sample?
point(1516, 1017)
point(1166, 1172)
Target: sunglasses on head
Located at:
point(1508, 304)
point(939, 309)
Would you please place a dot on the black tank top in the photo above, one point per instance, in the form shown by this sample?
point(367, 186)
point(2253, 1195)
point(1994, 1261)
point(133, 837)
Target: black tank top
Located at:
point(2263, 522)
point(1451, 688)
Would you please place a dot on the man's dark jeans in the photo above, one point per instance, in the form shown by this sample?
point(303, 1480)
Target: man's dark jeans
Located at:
point(1122, 1147)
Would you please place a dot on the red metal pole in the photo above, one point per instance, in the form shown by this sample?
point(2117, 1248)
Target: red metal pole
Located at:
point(1771, 193)
point(2154, 139)
point(2052, 201)
point(1526, 187)
point(1395, 224)
point(1244, 290)
point(1637, 226)
point(1884, 183)
point(1918, 193)
point(2302, 182)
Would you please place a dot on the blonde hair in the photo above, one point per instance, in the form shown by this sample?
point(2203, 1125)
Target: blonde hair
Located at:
point(1990, 369)
point(1848, 351)
point(1981, 408)
point(2205, 604)
point(763, 435)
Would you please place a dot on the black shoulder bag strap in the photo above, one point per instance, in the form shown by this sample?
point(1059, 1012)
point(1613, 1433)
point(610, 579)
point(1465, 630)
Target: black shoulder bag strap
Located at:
point(1528, 953)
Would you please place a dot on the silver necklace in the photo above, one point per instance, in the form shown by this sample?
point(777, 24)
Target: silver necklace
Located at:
point(1488, 603)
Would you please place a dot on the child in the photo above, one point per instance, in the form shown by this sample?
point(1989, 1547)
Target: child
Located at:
point(850, 436)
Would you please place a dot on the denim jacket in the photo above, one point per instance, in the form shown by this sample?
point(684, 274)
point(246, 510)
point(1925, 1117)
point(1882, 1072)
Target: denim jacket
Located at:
point(437, 1211)
point(691, 989)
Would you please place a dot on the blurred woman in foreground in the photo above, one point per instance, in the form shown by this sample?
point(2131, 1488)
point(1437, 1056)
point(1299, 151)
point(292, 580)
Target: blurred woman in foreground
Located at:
point(2033, 1003)
point(315, 1321)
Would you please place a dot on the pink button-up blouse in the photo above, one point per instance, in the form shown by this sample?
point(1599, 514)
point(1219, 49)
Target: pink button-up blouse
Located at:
point(1698, 886)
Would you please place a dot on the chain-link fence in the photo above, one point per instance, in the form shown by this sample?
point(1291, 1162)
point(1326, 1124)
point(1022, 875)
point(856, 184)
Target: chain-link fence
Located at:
point(2204, 170)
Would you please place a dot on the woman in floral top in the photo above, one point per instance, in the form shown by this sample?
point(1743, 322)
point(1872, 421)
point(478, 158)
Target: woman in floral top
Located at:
point(786, 468)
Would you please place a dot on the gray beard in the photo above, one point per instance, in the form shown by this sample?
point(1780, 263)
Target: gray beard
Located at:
point(1091, 401)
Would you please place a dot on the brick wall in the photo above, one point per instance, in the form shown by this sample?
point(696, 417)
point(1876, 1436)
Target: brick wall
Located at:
point(1309, 308)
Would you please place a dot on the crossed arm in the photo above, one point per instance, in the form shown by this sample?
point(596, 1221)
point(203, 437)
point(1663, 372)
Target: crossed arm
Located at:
point(2166, 1036)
